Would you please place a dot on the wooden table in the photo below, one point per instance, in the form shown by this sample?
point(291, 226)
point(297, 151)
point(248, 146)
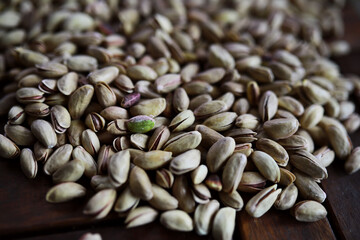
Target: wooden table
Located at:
point(24, 213)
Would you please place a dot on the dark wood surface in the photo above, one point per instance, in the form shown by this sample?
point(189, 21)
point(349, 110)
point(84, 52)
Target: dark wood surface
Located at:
point(24, 213)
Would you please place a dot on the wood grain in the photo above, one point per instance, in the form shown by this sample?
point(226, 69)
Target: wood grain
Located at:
point(281, 225)
point(153, 231)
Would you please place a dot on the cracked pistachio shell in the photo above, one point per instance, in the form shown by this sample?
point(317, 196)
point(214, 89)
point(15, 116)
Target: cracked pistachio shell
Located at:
point(103, 159)
point(164, 178)
point(183, 142)
point(105, 95)
point(252, 182)
point(219, 152)
point(100, 204)
point(58, 159)
point(126, 201)
point(60, 118)
point(199, 100)
point(262, 201)
point(268, 106)
point(182, 121)
point(139, 140)
point(16, 115)
point(177, 220)
point(90, 141)
point(158, 138)
point(95, 122)
point(65, 192)
point(140, 216)
point(37, 110)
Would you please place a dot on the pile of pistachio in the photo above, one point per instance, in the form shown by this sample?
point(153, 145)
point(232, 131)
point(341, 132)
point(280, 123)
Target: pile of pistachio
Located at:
point(174, 109)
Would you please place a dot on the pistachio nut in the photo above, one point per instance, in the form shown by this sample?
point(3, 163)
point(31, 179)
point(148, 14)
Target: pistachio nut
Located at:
point(100, 204)
point(262, 201)
point(58, 159)
point(185, 162)
point(140, 216)
point(224, 224)
point(183, 142)
point(8, 149)
point(308, 188)
point(140, 184)
point(199, 174)
point(204, 215)
point(177, 220)
point(164, 178)
point(266, 166)
point(126, 201)
point(233, 171)
point(80, 100)
point(287, 198)
point(88, 161)
point(219, 152)
point(64, 192)
point(69, 172)
point(28, 163)
point(281, 128)
point(309, 211)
